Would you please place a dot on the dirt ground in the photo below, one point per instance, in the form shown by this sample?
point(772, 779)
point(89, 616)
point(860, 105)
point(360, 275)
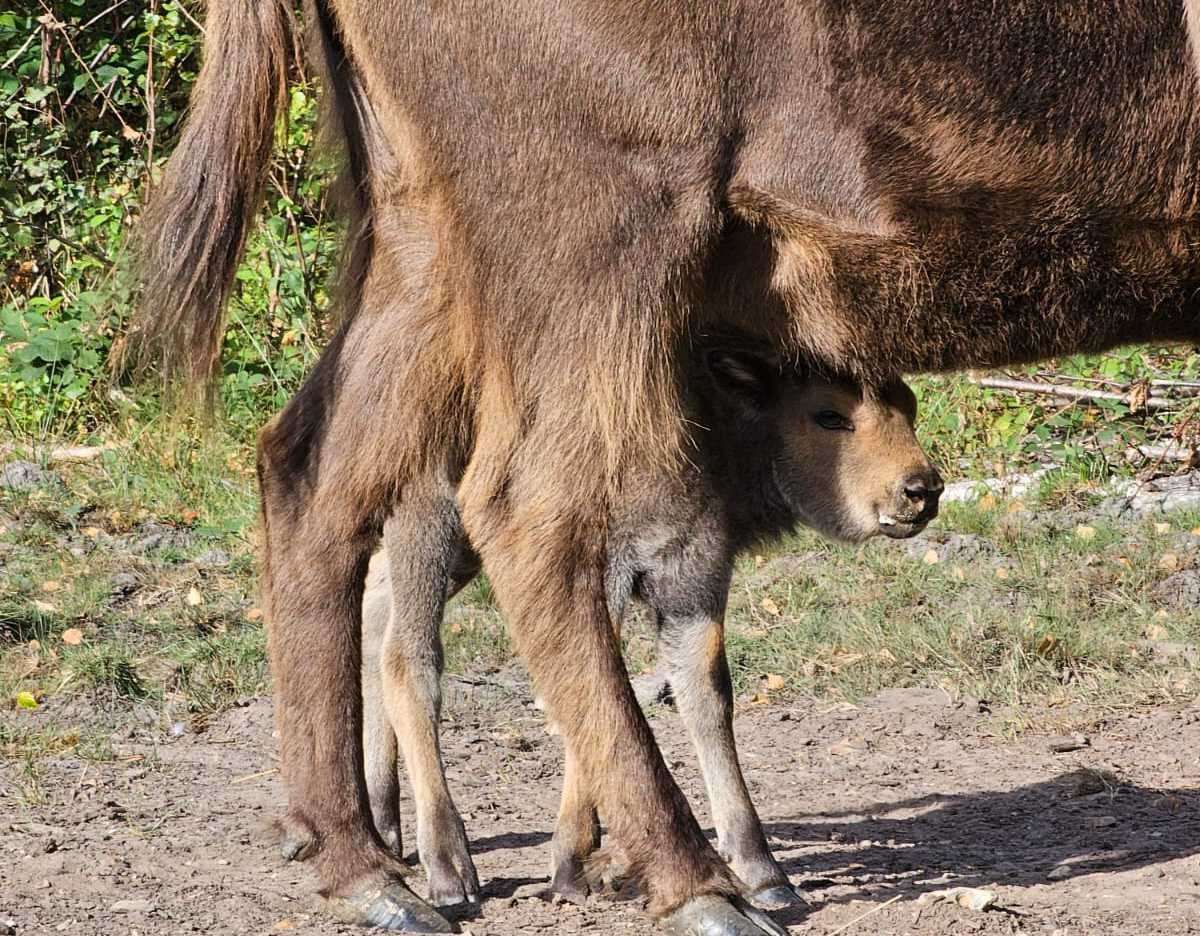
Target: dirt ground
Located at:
point(868, 807)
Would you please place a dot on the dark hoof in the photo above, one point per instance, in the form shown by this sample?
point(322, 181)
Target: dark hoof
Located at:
point(452, 879)
point(453, 890)
point(297, 842)
point(778, 897)
point(390, 906)
point(568, 882)
point(716, 916)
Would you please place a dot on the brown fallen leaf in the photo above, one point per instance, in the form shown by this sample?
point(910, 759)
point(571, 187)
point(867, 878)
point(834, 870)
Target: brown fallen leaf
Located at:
point(930, 557)
point(774, 682)
point(1168, 562)
point(254, 614)
point(194, 598)
point(72, 636)
point(1085, 532)
point(50, 586)
point(768, 605)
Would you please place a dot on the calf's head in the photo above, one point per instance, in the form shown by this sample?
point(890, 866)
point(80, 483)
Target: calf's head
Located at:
point(845, 456)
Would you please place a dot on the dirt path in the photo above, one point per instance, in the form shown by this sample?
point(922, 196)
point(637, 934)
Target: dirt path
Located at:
point(907, 793)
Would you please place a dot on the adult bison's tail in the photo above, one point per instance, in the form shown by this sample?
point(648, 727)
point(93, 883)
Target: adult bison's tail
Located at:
point(193, 231)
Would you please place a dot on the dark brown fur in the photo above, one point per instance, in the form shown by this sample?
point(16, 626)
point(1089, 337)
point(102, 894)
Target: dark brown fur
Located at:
point(553, 198)
point(767, 455)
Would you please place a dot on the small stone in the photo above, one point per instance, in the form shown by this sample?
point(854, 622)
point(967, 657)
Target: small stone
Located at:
point(213, 559)
point(1076, 742)
point(25, 476)
point(132, 906)
point(1181, 590)
point(1059, 873)
point(124, 583)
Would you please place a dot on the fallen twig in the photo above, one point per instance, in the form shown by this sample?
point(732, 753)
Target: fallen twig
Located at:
point(255, 776)
point(1062, 392)
point(859, 919)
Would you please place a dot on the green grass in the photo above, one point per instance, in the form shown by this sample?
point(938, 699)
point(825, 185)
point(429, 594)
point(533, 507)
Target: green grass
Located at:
point(1046, 616)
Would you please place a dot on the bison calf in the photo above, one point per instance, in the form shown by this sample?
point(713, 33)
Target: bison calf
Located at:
point(772, 447)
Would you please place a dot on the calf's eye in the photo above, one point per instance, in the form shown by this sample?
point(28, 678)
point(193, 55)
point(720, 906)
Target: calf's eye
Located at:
point(828, 419)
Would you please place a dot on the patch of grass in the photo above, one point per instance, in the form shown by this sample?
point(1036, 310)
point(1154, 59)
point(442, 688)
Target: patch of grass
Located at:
point(474, 636)
point(214, 672)
point(108, 671)
point(1041, 614)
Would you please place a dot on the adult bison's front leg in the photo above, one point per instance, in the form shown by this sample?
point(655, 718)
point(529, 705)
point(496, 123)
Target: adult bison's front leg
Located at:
point(316, 558)
point(547, 571)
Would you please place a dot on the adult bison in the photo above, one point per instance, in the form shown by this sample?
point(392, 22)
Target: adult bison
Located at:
point(549, 198)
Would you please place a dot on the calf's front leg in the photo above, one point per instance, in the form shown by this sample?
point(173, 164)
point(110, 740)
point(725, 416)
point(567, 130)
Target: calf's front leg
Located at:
point(692, 644)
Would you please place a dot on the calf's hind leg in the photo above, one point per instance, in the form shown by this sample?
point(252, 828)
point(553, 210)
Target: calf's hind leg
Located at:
point(429, 560)
point(693, 647)
point(379, 739)
point(546, 566)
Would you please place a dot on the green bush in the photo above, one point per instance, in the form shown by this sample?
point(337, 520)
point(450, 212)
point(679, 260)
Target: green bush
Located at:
point(92, 97)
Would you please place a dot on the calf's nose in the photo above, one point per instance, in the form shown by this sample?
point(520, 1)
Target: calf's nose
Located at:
point(922, 490)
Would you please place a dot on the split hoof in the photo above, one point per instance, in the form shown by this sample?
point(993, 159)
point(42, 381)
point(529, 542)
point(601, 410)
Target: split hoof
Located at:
point(568, 884)
point(711, 915)
point(777, 897)
point(391, 906)
point(452, 887)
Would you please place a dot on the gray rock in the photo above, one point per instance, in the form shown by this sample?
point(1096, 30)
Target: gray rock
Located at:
point(213, 559)
point(124, 583)
point(25, 476)
point(1014, 485)
point(1181, 500)
point(1181, 590)
point(964, 492)
point(154, 536)
point(950, 547)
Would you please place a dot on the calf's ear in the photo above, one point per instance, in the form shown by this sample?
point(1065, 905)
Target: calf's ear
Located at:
point(750, 379)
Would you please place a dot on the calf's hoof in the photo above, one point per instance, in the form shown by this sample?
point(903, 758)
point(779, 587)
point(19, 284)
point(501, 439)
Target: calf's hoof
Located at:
point(452, 884)
point(391, 906)
point(710, 915)
point(777, 897)
point(569, 882)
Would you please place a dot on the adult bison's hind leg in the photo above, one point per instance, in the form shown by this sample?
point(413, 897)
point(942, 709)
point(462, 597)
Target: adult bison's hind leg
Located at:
point(318, 543)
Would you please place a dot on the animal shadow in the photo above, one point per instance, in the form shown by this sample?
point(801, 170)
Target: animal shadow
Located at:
point(1077, 823)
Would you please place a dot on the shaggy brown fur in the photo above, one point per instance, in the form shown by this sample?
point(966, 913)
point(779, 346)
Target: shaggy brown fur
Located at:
point(828, 455)
point(553, 198)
